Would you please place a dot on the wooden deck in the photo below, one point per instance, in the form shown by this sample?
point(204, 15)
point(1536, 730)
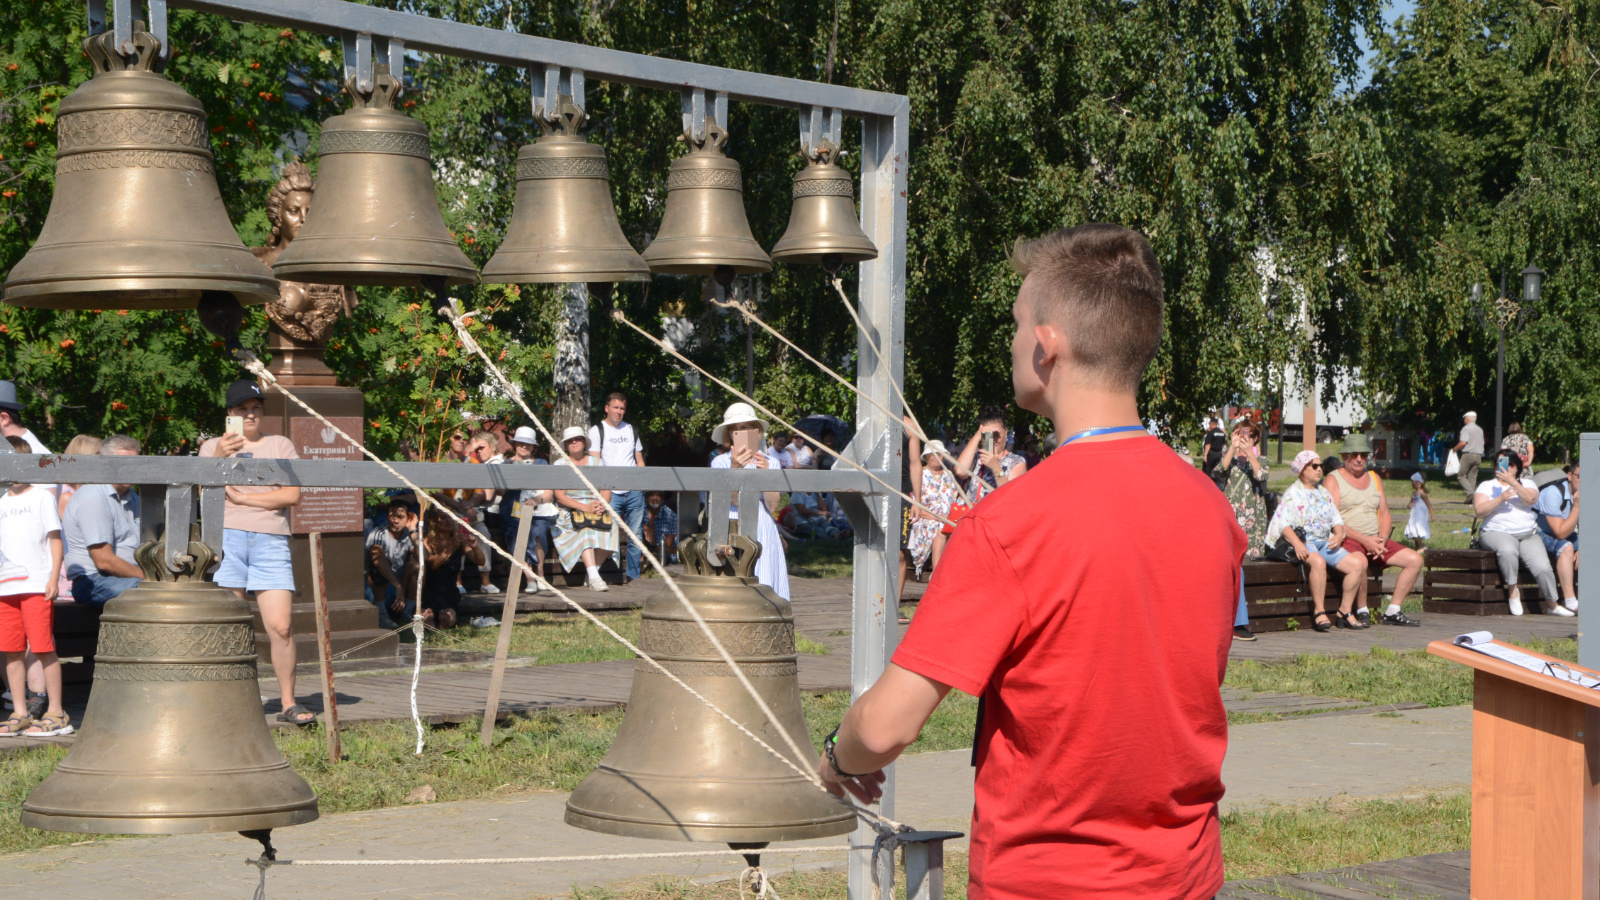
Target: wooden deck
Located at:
point(1440, 876)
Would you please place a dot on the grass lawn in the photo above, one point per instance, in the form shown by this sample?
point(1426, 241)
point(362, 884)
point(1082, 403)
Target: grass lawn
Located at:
point(566, 638)
point(1380, 676)
point(1255, 844)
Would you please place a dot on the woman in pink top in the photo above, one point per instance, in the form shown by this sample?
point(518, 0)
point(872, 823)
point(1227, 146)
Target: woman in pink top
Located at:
point(255, 538)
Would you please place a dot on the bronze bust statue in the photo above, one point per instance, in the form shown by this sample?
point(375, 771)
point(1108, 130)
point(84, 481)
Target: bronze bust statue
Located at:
point(303, 312)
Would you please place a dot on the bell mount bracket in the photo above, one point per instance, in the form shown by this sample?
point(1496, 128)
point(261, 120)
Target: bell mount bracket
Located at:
point(121, 25)
point(559, 107)
point(821, 132)
point(374, 69)
point(705, 119)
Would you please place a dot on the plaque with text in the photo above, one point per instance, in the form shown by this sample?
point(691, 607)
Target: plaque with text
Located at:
point(324, 509)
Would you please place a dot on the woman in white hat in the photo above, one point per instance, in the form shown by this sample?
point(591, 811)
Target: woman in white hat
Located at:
point(525, 451)
point(772, 568)
point(584, 530)
point(939, 490)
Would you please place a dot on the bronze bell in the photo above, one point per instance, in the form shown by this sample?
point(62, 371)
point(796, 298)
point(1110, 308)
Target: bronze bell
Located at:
point(823, 227)
point(173, 741)
point(376, 220)
point(136, 220)
point(563, 224)
point(704, 227)
point(677, 770)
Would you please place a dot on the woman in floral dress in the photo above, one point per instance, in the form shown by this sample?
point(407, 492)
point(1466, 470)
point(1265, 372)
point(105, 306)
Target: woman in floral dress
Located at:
point(939, 490)
point(1243, 478)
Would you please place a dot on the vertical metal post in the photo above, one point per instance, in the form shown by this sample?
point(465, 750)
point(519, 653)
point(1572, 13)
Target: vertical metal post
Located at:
point(924, 855)
point(875, 607)
point(1588, 561)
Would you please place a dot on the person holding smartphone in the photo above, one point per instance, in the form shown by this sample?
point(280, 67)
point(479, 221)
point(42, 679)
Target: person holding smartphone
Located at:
point(255, 535)
point(745, 433)
point(1511, 529)
point(995, 465)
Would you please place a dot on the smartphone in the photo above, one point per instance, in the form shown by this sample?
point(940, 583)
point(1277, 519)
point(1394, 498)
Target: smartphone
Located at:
point(987, 441)
point(1503, 464)
point(750, 440)
point(235, 425)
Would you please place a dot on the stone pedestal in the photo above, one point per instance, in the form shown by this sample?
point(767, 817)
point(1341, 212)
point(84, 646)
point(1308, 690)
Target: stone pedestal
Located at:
point(336, 512)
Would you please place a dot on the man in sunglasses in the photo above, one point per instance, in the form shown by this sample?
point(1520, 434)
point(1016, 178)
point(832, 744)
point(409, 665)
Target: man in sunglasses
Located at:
point(1358, 494)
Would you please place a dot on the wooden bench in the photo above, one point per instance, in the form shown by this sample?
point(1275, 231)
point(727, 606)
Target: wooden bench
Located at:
point(77, 632)
point(1467, 583)
point(1275, 595)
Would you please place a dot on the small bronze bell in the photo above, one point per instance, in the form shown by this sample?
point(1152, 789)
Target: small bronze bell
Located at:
point(563, 224)
point(823, 227)
point(376, 220)
point(678, 771)
point(173, 741)
point(704, 227)
point(136, 220)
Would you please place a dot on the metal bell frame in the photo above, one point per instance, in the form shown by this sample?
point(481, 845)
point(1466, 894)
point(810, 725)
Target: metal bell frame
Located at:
point(874, 512)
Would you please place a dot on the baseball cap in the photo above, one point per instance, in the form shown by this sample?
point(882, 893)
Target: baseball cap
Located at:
point(242, 390)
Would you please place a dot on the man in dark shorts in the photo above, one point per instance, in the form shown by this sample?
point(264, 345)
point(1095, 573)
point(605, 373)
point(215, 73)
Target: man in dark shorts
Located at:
point(1212, 446)
point(1099, 653)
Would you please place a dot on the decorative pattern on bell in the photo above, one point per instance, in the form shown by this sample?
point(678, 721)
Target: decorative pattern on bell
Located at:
point(173, 741)
point(704, 227)
point(823, 227)
point(376, 220)
point(679, 771)
point(563, 224)
point(136, 220)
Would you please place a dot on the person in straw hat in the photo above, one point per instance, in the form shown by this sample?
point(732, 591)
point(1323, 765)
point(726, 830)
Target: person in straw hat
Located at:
point(1358, 493)
point(939, 490)
point(772, 568)
point(585, 529)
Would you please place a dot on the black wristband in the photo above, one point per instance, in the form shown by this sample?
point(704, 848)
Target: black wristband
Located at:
point(827, 750)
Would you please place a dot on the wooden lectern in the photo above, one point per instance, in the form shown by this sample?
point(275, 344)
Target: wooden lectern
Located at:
point(1535, 780)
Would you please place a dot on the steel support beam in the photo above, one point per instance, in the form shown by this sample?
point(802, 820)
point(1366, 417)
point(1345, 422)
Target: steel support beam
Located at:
point(1588, 561)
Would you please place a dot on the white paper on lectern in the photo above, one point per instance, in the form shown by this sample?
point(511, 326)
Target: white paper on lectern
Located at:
point(1483, 642)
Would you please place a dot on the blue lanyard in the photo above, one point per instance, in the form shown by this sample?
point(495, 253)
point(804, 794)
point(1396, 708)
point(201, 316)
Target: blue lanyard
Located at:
point(1094, 431)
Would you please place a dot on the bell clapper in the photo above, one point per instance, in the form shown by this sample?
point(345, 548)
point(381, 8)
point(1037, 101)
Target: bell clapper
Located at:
point(264, 835)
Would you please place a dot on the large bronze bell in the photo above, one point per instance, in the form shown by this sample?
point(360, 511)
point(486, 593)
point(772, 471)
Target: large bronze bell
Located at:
point(677, 770)
point(136, 220)
point(823, 227)
point(563, 224)
point(376, 220)
point(174, 740)
point(704, 227)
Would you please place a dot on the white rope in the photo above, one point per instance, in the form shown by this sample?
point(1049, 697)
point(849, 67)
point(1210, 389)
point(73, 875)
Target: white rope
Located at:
point(838, 285)
point(416, 671)
point(760, 884)
point(914, 502)
point(537, 860)
point(881, 824)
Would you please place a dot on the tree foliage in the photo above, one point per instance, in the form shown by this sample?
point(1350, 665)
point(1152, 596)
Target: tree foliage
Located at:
point(1298, 221)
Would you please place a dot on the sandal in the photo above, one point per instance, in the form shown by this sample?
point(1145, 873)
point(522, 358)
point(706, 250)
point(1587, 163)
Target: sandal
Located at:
point(13, 725)
point(50, 726)
point(1350, 621)
point(292, 716)
point(1321, 626)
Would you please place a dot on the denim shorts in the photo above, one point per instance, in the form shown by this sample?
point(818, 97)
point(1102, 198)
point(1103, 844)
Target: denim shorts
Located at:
point(1332, 557)
point(1554, 545)
point(255, 561)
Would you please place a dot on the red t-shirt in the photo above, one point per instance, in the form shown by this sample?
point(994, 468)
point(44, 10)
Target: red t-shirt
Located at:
point(1091, 603)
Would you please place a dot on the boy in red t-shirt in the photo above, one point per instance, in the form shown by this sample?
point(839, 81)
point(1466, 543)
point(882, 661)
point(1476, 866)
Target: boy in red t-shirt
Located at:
point(1098, 646)
point(30, 574)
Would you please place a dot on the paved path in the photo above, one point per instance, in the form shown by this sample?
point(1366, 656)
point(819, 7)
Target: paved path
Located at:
point(1440, 876)
point(1272, 762)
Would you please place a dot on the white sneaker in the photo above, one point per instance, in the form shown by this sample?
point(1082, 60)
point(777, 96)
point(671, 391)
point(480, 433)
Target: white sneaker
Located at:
point(1571, 603)
point(484, 622)
point(1556, 609)
point(1515, 602)
point(598, 584)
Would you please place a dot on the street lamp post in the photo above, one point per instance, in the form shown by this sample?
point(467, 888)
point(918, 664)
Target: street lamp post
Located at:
point(1509, 316)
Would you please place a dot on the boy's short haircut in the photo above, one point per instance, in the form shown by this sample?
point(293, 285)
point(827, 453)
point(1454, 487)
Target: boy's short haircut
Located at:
point(615, 395)
point(1102, 284)
point(400, 505)
point(19, 445)
point(111, 446)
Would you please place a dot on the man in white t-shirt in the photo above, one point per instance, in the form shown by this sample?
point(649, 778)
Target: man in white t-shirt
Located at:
point(616, 443)
point(30, 572)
